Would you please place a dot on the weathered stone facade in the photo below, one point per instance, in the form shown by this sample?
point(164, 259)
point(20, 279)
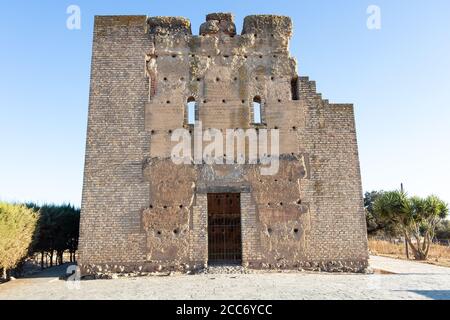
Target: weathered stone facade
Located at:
point(142, 212)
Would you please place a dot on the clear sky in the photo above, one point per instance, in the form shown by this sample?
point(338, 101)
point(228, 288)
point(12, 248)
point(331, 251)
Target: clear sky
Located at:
point(398, 77)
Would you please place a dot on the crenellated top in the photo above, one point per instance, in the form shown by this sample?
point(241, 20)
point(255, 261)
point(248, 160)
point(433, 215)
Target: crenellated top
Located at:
point(223, 23)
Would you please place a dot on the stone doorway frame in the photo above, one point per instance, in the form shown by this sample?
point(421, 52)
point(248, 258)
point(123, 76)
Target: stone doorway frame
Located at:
point(199, 225)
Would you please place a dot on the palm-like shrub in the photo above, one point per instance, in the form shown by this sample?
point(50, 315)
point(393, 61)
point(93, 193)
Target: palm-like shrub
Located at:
point(416, 218)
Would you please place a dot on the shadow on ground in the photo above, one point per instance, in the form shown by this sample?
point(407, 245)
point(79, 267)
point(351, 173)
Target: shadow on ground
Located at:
point(53, 272)
point(434, 294)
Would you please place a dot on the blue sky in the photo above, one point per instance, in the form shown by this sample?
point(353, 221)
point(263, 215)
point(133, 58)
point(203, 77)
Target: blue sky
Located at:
point(398, 77)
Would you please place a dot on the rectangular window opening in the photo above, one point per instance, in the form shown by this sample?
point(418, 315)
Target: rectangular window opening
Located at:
point(295, 88)
point(257, 110)
point(191, 112)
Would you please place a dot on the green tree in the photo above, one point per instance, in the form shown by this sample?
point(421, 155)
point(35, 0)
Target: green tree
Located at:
point(59, 227)
point(18, 226)
point(67, 221)
point(416, 217)
point(376, 224)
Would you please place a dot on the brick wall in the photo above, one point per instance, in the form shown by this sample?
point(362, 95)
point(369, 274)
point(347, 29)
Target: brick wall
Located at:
point(114, 191)
point(142, 212)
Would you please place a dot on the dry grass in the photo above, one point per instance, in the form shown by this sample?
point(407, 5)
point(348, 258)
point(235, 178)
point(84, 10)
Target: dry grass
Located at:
point(439, 254)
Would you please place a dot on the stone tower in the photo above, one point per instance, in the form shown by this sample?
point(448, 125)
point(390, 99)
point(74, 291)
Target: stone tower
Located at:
point(143, 212)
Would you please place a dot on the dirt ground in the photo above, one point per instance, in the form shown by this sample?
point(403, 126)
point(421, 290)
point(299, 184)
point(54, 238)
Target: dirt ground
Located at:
point(439, 254)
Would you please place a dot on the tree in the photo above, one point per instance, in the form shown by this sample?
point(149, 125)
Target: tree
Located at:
point(59, 227)
point(66, 230)
point(18, 226)
point(375, 223)
point(416, 217)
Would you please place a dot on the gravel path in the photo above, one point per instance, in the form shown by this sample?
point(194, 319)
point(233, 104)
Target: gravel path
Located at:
point(411, 281)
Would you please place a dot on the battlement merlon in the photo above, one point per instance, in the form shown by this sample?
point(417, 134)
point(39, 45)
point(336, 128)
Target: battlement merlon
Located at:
point(268, 25)
point(173, 25)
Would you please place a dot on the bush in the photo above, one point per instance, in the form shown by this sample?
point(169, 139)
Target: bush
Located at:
point(18, 226)
point(443, 230)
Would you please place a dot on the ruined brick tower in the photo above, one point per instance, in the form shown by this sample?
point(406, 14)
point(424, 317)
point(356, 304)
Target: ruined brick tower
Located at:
point(143, 212)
